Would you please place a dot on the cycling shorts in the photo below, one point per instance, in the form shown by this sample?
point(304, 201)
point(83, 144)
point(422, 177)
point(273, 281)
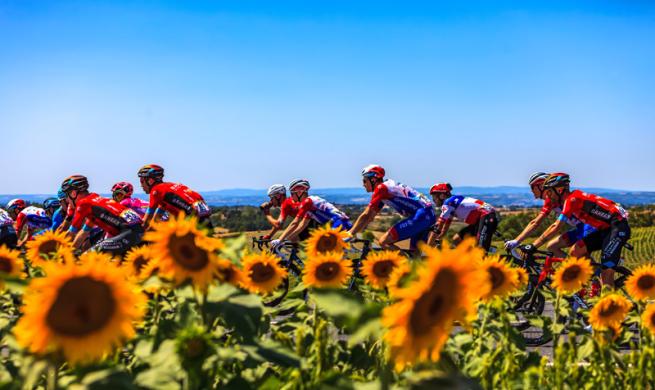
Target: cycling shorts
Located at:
point(579, 232)
point(609, 241)
point(344, 224)
point(416, 227)
point(122, 242)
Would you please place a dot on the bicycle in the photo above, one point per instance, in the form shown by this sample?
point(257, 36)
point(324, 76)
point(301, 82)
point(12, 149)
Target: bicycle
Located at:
point(287, 252)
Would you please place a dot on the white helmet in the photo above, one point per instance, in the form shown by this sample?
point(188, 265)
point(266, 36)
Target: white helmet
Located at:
point(299, 183)
point(276, 189)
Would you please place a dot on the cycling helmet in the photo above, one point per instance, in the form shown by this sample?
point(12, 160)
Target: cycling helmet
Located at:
point(151, 171)
point(61, 195)
point(556, 180)
point(124, 187)
point(537, 177)
point(75, 182)
point(17, 204)
point(441, 188)
point(51, 203)
point(373, 171)
point(276, 189)
point(298, 183)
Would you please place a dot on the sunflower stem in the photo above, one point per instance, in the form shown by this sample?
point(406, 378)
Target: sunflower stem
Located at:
point(53, 373)
point(556, 321)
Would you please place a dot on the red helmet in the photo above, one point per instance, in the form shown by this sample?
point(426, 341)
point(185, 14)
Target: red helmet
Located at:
point(373, 171)
point(17, 204)
point(124, 187)
point(441, 187)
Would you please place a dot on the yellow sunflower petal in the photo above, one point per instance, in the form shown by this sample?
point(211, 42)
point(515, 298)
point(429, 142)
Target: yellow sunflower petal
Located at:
point(378, 267)
point(50, 245)
point(502, 278)
point(609, 311)
point(641, 284)
point(648, 318)
point(572, 275)
point(261, 272)
point(10, 263)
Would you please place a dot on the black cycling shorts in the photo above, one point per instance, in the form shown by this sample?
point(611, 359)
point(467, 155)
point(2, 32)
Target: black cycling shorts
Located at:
point(483, 230)
point(610, 241)
point(8, 237)
point(122, 242)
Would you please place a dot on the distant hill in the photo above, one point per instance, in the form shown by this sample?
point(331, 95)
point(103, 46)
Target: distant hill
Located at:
point(497, 196)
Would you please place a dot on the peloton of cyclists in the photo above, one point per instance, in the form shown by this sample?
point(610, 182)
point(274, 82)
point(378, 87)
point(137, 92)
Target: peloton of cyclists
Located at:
point(121, 225)
point(29, 220)
point(173, 198)
point(416, 209)
point(608, 218)
point(480, 217)
point(277, 194)
point(122, 192)
point(8, 235)
point(571, 238)
point(312, 208)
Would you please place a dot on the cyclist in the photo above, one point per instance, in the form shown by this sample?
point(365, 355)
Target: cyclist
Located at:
point(59, 215)
point(608, 218)
point(480, 217)
point(572, 237)
point(51, 207)
point(121, 225)
point(29, 219)
point(311, 208)
point(412, 205)
point(8, 235)
point(174, 198)
point(288, 209)
point(122, 192)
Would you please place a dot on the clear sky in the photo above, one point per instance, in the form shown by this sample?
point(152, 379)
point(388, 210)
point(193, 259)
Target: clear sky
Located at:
point(243, 93)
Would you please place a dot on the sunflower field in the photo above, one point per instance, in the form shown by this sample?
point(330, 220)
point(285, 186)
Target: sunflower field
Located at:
point(192, 311)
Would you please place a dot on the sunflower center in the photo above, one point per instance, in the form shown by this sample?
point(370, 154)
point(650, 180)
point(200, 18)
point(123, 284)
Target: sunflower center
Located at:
point(327, 271)
point(327, 243)
point(571, 273)
point(652, 320)
point(497, 277)
point(609, 310)
point(5, 265)
point(435, 306)
point(225, 274)
point(139, 263)
point(382, 269)
point(262, 273)
point(646, 282)
point(82, 306)
point(48, 247)
point(186, 253)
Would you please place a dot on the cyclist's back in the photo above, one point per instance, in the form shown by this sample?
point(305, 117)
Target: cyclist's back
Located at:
point(321, 211)
point(175, 198)
point(34, 219)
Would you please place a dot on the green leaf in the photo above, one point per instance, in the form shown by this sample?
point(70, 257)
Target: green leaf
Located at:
point(242, 313)
point(108, 379)
point(372, 329)
point(338, 303)
point(269, 351)
point(34, 373)
point(15, 285)
point(164, 371)
point(153, 281)
point(234, 247)
point(221, 292)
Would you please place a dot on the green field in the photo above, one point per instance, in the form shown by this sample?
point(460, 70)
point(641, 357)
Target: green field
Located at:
point(643, 240)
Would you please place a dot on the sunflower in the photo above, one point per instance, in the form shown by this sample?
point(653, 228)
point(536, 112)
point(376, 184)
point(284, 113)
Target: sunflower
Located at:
point(81, 310)
point(136, 262)
point(641, 284)
point(379, 266)
point(261, 272)
point(609, 311)
point(10, 263)
point(521, 276)
point(227, 272)
point(48, 246)
point(328, 270)
point(446, 290)
point(183, 252)
point(503, 279)
point(572, 275)
point(648, 318)
point(399, 278)
point(326, 239)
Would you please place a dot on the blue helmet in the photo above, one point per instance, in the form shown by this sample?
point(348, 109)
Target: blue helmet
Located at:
point(61, 195)
point(51, 203)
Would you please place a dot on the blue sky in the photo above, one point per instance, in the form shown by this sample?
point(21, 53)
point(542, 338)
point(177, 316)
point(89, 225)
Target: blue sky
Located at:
point(245, 93)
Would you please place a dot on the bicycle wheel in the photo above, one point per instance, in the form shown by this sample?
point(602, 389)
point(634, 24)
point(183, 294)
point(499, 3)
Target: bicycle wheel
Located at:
point(529, 304)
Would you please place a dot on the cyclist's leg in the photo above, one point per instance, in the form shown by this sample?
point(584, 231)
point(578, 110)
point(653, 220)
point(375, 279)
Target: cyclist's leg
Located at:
point(8, 237)
point(428, 218)
point(122, 242)
point(467, 231)
point(564, 240)
point(616, 237)
point(486, 229)
point(344, 224)
point(416, 225)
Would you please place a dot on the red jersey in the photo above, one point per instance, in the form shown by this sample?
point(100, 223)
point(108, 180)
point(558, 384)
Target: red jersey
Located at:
point(177, 198)
point(591, 209)
point(289, 208)
point(107, 214)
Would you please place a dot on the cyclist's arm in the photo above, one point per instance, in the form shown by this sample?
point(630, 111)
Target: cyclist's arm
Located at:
point(443, 226)
point(550, 232)
point(532, 225)
point(302, 225)
point(363, 220)
point(289, 232)
point(81, 237)
point(150, 214)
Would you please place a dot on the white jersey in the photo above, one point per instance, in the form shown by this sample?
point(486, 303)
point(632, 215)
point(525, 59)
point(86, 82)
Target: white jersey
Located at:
point(5, 219)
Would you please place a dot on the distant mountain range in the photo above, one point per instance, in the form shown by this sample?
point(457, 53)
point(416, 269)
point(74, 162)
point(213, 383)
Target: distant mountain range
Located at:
point(498, 196)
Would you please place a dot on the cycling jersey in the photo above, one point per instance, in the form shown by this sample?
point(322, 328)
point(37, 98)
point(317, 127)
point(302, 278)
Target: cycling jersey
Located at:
point(136, 204)
point(592, 210)
point(580, 229)
point(57, 218)
point(466, 209)
point(289, 208)
point(176, 198)
point(107, 214)
point(5, 219)
point(35, 218)
point(321, 211)
point(404, 199)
